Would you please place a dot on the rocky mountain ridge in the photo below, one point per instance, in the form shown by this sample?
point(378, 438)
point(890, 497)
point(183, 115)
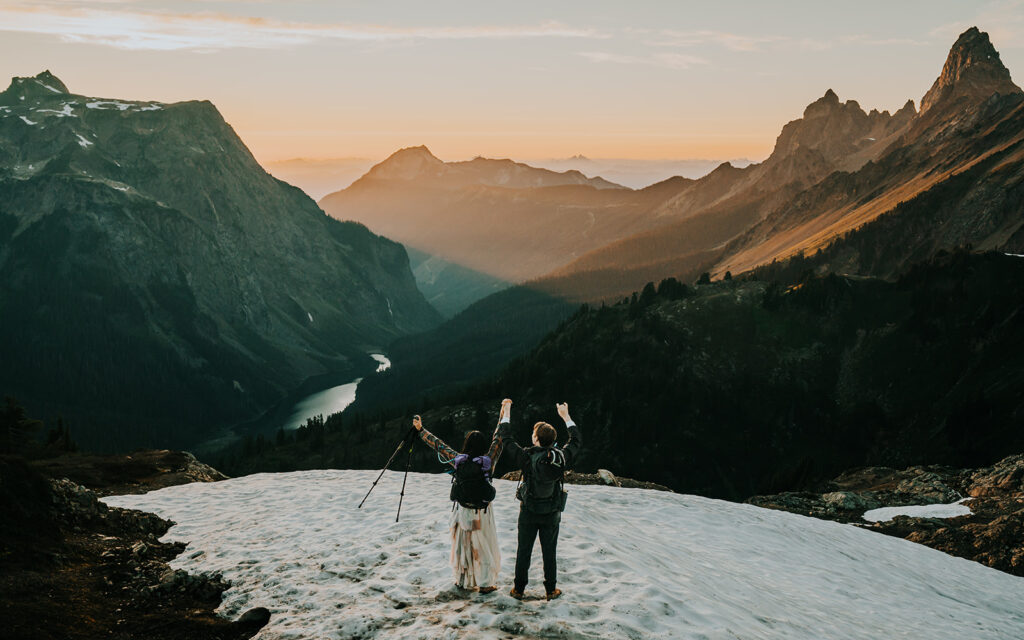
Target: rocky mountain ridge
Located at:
point(833, 171)
point(162, 281)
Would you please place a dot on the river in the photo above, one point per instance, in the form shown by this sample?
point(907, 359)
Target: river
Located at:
point(330, 400)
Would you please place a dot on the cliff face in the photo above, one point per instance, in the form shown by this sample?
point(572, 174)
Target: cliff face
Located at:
point(154, 274)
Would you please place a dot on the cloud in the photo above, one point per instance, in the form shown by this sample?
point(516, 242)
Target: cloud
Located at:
point(666, 60)
point(749, 44)
point(216, 31)
point(1004, 22)
point(731, 41)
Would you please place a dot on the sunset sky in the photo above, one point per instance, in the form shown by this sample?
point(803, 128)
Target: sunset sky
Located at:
point(335, 78)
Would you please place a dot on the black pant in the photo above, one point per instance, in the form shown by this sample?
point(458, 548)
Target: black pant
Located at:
point(529, 525)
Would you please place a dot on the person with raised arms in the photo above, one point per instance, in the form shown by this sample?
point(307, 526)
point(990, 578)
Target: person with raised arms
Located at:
point(540, 492)
point(475, 556)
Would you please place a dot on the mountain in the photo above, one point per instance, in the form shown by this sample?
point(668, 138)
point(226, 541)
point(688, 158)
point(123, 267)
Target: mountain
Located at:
point(157, 282)
point(632, 563)
point(731, 388)
point(632, 172)
point(835, 170)
point(967, 143)
point(498, 218)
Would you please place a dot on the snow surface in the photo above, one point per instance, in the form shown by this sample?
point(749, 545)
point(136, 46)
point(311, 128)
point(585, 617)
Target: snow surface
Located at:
point(27, 121)
point(632, 563)
point(83, 141)
point(103, 104)
point(953, 510)
point(1016, 255)
point(48, 86)
point(63, 113)
point(384, 365)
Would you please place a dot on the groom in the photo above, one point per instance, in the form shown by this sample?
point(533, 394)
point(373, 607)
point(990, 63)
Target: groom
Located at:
point(543, 466)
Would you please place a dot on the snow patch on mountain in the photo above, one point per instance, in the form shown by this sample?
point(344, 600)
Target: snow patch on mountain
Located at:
point(64, 112)
point(885, 514)
point(632, 564)
point(108, 104)
point(27, 121)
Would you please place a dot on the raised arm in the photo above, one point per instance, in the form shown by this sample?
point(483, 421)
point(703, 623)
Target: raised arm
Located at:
point(572, 447)
point(445, 453)
point(504, 434)
point(495, 450)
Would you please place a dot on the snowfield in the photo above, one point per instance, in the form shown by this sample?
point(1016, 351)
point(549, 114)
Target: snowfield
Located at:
point(633, 564)
point(885, 514)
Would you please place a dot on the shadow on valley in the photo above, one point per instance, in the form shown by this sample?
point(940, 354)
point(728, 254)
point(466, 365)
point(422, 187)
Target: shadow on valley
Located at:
point(728, 389)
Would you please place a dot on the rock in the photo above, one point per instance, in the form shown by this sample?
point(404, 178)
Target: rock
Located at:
point(608, 477)
point(992, 534)
point(256, 617)
point(845, 500)
point(1004, 478)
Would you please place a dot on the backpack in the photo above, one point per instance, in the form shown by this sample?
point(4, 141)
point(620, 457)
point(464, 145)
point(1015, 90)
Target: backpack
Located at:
point(471, 482)
point(540, 490)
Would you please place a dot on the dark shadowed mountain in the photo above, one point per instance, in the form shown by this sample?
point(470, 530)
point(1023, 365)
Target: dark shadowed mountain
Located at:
point(157, 282)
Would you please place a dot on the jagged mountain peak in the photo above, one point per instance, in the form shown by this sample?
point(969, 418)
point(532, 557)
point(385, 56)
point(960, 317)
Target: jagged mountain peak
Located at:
point(42, 84)
point(973, 69)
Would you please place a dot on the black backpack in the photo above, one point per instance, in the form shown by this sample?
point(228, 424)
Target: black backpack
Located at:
point(471, 486)
point(541, 487)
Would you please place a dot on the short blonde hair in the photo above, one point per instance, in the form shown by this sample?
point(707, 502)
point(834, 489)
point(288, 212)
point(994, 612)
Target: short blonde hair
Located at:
point(545, 433)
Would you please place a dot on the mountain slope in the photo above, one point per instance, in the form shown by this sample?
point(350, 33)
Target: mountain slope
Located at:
point(972, 117)
point(738, 386)
point(496, 217)
point(157, 281)
point(632, 563)
point(839, 168)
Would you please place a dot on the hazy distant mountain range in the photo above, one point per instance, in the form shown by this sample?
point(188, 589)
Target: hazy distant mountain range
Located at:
point(632, 172)
point(157, 282)
point(321, 176)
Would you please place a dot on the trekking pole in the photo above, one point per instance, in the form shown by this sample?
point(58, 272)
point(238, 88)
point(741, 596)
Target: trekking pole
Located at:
point(386, 465)
point(401, 496)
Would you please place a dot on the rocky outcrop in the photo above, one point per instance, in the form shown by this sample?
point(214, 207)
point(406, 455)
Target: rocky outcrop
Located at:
point(137, 472)
point(973, 72)
point(993, 533)
point(72, 567)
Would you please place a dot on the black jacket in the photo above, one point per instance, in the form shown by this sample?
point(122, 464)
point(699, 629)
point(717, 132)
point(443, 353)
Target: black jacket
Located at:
point(521, 455)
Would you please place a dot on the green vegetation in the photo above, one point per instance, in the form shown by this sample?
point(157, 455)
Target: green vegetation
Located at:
point(743, 387)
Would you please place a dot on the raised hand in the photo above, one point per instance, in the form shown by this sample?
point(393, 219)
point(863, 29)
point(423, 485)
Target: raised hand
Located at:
point(417, 422)
point(506, 408)
point(563, 411)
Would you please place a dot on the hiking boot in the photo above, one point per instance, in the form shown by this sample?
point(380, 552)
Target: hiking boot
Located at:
point(515, 593)
point(554, 593)
point(487, 589)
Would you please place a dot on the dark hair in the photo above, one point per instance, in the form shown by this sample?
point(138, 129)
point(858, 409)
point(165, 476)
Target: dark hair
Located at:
point(475, 444)
point(546, 434)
